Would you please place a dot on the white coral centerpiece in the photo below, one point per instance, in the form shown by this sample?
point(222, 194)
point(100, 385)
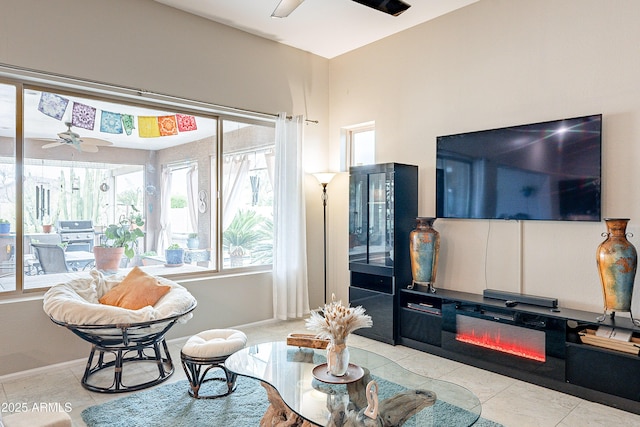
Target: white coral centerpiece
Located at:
point(335, 321)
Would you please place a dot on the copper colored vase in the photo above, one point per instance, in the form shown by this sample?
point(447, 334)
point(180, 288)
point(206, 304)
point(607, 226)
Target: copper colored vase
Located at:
point(617, 261)
point(425, 245)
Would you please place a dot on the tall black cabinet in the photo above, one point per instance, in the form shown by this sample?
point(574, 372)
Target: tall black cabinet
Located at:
point(383, 206)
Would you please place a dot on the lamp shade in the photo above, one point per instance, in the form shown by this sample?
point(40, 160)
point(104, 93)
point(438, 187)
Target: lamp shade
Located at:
point(324, 177)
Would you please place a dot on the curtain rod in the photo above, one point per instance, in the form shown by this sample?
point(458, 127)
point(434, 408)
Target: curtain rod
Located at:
point(46, 78)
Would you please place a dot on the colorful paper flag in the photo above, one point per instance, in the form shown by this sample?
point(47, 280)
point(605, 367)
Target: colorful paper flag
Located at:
point(52, 105)
point(110, 122)
point(83, 116)
point(128, 123)
point(148, 127)
point(167, 125)
point(186, 122)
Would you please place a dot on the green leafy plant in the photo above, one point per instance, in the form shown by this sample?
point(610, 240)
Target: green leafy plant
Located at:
point(124, 234)
point(4, 221)
point(174, 246)
point(248, 230)
point(192, 235)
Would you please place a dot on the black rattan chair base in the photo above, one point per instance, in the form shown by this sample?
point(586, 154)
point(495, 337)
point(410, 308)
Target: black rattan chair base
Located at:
point(113, 346)
point(160, 357)
point(197, 368)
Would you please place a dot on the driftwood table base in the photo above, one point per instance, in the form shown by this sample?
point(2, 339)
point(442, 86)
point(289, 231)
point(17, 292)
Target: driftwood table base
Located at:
point(392, 412)
point(278, 414)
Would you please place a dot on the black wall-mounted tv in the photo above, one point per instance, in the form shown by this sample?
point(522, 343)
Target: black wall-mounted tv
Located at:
point(544, 171)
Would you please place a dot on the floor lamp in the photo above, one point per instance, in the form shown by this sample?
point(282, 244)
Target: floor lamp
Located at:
point(324, 178)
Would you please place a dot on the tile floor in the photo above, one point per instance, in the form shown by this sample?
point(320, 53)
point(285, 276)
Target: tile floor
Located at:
point(505, 400)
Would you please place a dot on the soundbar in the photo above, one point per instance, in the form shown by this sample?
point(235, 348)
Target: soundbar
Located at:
point(521, 298)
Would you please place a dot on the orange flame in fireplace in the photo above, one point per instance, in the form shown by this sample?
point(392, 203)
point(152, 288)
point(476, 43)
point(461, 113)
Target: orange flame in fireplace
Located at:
point(494, 342)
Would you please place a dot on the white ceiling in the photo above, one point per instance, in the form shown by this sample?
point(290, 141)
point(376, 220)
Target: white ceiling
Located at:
point(326, 28)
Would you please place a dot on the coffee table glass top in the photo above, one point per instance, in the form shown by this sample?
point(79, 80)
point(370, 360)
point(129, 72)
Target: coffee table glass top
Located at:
point(288, 369)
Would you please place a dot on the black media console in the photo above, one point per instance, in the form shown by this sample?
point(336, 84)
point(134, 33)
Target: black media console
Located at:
point(534, 343)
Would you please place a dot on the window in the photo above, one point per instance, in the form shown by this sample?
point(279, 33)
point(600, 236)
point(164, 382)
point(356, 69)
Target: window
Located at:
point(89, 162)
point(247, 188)
point(8, 190)
point(361, 142)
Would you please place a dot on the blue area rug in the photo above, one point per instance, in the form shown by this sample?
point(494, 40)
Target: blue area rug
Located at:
point(170, 405)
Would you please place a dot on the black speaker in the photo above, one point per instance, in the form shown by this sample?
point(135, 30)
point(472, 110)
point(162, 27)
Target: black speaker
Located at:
point(521, 298)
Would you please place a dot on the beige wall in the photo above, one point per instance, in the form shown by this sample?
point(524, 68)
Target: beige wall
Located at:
point(492, 64)
point(145, 45)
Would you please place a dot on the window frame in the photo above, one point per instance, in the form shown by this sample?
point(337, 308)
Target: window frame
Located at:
point(125, 96)
point(350, 134)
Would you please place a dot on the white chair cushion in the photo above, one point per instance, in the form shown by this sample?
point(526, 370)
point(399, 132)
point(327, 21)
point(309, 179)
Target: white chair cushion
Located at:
point(215, 343)
point(77, 302)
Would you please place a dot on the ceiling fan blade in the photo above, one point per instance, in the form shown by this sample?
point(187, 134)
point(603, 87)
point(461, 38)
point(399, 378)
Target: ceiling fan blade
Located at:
point(88, 148)
point(96, 141)
point(285, 7)
point(53, 144)
point(392, 7)
point(68, 135)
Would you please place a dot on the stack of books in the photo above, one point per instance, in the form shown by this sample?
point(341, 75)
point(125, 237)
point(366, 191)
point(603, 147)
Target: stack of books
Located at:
point(612, 338)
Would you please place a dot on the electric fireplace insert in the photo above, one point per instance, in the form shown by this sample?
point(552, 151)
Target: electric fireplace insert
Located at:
point(522, 341)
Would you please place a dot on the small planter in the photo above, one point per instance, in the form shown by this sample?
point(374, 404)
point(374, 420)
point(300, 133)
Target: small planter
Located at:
point(108, 259)
point(193, 242)
point(174, 257)
point(5, 227)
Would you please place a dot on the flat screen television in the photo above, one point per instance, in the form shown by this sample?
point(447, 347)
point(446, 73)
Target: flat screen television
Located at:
point(544, 171)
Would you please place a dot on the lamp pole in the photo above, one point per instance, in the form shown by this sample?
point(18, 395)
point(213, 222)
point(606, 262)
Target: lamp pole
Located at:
point(324, 222)
point(324, 178)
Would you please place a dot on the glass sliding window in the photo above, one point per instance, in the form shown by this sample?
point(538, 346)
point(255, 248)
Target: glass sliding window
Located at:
point(91, 163)
point(151, 168)
point(8, 191)
point(247, 193)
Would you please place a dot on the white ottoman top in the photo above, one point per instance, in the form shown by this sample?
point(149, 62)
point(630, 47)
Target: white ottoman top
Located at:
point(215, 343)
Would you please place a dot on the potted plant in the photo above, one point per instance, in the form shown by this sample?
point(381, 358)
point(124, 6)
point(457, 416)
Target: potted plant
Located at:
point(118, 240)
point(247, 231)
point(5, 226)
point(193, 242)
point(46, 225)
point(174, 255)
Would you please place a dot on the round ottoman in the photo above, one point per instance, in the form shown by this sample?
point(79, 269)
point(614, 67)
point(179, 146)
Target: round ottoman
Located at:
point(207, 350)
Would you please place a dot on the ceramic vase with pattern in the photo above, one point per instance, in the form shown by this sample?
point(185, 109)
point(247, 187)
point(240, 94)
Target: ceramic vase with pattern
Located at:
point(617, 262)
point(425, 245)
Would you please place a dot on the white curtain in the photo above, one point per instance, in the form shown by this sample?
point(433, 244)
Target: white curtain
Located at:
point(290, 286)
point(270, 161)
point(192, 196)
point(165, 209)
point(236, 171)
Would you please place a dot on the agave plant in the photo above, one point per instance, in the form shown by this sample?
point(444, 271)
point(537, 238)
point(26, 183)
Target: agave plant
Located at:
point(247, 231)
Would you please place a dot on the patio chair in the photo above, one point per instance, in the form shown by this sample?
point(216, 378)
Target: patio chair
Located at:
point(51, 258)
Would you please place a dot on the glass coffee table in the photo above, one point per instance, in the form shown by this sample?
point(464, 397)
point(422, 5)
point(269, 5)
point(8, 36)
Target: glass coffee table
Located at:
point(298, 387)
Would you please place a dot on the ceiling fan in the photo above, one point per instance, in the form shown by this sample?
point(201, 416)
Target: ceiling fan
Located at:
point(68, 137)
point(392, 7)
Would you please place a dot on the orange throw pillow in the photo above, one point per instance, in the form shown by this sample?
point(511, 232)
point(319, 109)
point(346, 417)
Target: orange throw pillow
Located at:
point(138, 289)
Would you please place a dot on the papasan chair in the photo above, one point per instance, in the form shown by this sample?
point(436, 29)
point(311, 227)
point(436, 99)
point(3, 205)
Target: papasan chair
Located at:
point(125, 318)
